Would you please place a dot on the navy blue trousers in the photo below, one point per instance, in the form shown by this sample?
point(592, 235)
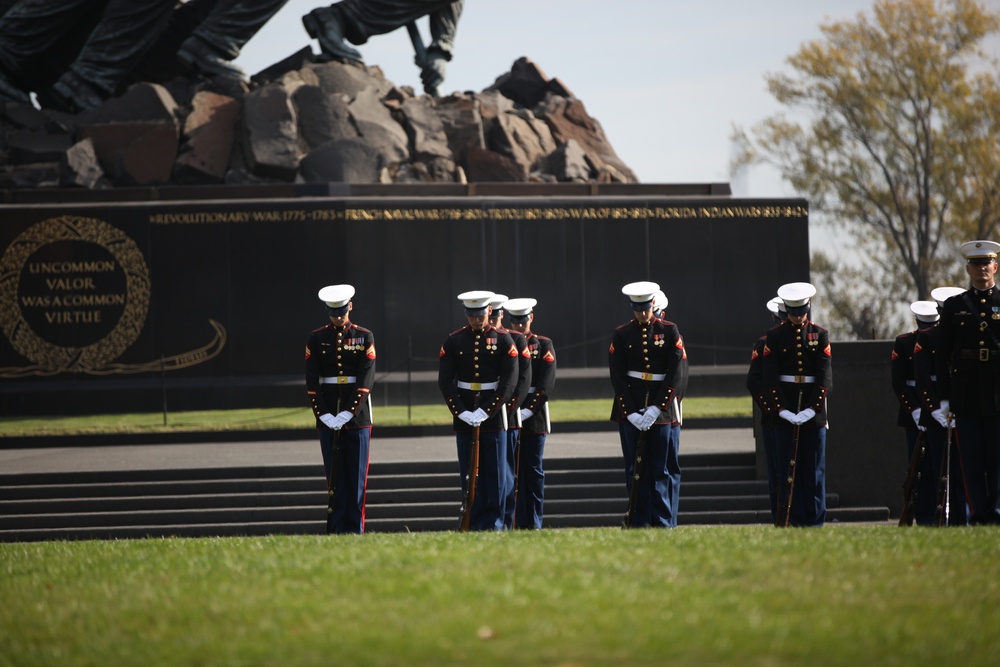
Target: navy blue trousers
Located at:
point(347, 513)
point(809, 496)
point(530, 481)
point(979, 450)
point(925, 503)
point(929, 490)
point(660, 476)
point(773, 474)
point(509, 476)
point(489, 506)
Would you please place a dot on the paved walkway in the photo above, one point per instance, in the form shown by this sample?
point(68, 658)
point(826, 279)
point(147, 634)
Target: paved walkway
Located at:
point(216, 455)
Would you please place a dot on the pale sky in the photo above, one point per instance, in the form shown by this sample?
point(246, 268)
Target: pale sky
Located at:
point(667, 79)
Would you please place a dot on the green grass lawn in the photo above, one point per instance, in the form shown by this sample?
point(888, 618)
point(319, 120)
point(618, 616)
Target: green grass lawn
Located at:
point(285, 418)
point(851, 595)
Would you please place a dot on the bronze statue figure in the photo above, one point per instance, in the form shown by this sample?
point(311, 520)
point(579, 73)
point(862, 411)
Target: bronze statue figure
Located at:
point(355, 21)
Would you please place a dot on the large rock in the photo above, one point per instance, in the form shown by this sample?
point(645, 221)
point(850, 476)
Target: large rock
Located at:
point(569, 163)
point(519, 135)
point(342, 161)
point(485, 166)
point(207, 139)
point(525, 83)
point(80, 168)
point(26, 147)
point(425, 128)
point(302, 120)
point(568, 119)
point(271, 133)
point(377, 125)
point(322, 116)
point(462, 123)
point(135, 136)
point(134, 153)
point(143, 102)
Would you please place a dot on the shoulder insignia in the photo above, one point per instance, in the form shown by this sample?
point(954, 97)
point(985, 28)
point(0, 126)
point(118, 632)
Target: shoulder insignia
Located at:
point(754, 355)
point(512, 352)
point(767, 350)
point(308, 352)
point(441, 352)
point(611, 350)
point(827, 350)
point(917, 347)
point(549, 357)
point(371, 351)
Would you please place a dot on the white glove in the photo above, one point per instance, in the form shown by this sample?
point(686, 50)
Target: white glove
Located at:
point(341, 419)
point(787, 415)
point(941, 414)
point(466, 416)
point(479, 416)
point(916, 417)
point(328, 419)
point(636, 419)
point(804, 416)
point(525, 413)
point(649, 417)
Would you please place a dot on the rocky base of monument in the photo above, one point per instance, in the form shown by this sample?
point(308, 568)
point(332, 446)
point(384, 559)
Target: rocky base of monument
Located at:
point(304, 121)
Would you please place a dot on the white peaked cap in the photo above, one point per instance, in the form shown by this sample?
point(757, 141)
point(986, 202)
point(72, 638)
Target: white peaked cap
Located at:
point(660, 300)
point(640, 292)
point(476, 299)
point(942, 294)
point(336, 296)
point(498, 300)
point(926, 311)
point(972, 249)
point(796, 295)
point(521, 306)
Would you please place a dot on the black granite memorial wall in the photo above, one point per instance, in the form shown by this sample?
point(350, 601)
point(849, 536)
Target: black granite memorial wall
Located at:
point(214, 294)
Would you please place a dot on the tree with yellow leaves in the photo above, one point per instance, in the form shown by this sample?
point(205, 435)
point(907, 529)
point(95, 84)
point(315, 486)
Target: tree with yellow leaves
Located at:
point(900, 149)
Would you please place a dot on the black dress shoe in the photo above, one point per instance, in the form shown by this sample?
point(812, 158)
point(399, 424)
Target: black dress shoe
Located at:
point(203, 57)
point(323, 25)
point(72, 94)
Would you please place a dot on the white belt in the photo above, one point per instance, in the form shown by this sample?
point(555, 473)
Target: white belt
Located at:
point(911, 383)
point(798, 379)
point(477, 386)
point(531, 390)
point(651, 377)
point(339, 379)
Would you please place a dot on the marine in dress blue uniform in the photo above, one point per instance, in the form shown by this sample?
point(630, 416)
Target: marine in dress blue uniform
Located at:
point(968, 371)
point(477, 372)
point(340, 372)
point(660, 303)
point(534, 415)
point(797, 379)
point(644, 360)
point(497, 303)
point(925, 376)
point(909, 415)
point(755, 385)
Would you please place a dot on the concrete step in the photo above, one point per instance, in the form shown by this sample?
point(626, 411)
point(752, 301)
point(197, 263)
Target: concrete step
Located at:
point(402, 496)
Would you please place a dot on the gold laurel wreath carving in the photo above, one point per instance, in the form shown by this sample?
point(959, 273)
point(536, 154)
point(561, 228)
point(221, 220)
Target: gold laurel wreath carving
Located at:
point(50, 359)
